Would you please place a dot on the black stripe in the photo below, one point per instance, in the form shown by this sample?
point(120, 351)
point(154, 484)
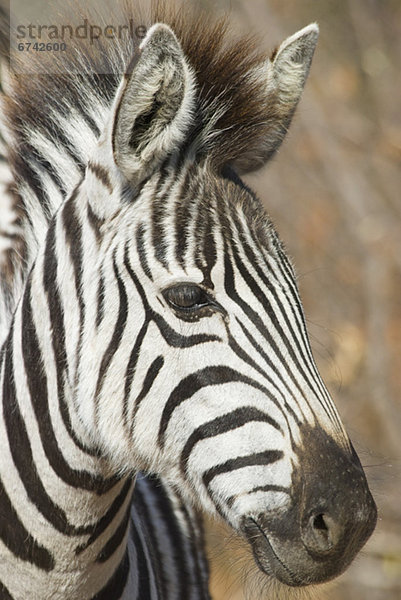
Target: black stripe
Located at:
point(260, 488)
point(116, 337)
point(143, 503)
point(27, 174)
point(150, 377)
point(114, 588)
point(190, 385)
point(175, 536)
point(21, 452)
point(87, 118)
point(85, 114)
point(108, 517)
point(37, 385)
point(62, 140)
point(160, 208)
point(94, 221)
point(142, 567)
point(141, 249)
point(259, 459)
point(131, 367)
point(273, 367)
point(228, 422)
point(278, 246)
point(177, 340)
point(295, 303)
point(306, 360)
point(240, 352)
point(209, 251)
point(309, 377)
point(101, 174)
point(12, 531)
point(257, 321)
point(17, 539)
point(115, 541)
point(204, 247)
point(251, 257)
point(281, 403)
point(163, 172)
point(183, 219)
point(4, 593)
point(200, 578)
point(41, 164)
point(229, 173)
point(100, 301)
point(50, 285)
point(73, 235)
point(254, 318)
point(9, 236)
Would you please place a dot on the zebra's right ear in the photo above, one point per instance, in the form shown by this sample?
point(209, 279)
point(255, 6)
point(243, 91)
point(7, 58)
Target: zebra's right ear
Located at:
point(154, 106)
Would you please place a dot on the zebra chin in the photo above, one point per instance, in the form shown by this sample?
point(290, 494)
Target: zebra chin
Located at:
point(297, 564)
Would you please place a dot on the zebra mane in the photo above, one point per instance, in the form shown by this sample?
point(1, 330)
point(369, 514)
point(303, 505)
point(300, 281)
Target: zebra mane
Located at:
point(83, 80)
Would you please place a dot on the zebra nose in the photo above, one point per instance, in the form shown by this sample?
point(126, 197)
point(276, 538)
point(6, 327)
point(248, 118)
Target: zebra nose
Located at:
point(321, 533)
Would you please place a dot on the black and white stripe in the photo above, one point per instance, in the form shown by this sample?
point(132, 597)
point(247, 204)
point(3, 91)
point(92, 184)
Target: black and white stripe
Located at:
point(155, 327)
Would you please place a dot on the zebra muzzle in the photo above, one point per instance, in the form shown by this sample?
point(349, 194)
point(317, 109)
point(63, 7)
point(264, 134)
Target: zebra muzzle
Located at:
point(321, 552)
point(331, 516)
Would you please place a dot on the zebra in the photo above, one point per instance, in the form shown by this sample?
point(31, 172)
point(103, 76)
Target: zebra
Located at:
point(157, 364)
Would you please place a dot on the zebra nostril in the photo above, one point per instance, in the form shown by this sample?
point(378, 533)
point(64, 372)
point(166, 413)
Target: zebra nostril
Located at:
point(321, 533)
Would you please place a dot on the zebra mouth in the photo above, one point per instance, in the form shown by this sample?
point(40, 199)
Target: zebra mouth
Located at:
point(265, 556)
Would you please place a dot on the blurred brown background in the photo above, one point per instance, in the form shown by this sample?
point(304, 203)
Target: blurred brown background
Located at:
point(334, 193)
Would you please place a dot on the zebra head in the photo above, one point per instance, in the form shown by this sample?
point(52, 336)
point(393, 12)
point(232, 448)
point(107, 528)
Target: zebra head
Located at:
point(194, 349)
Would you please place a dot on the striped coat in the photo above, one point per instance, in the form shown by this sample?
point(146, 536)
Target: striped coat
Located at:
point(152, 324)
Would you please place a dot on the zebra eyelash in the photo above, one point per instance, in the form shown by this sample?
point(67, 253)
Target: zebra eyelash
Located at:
point(190, 301)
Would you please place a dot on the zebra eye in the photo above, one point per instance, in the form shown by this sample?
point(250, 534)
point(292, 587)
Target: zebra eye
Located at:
point(186, 297)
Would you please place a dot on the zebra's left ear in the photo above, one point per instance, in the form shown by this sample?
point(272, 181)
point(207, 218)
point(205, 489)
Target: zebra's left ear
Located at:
point(153, 110)
point(291, 63)
point(285, 74)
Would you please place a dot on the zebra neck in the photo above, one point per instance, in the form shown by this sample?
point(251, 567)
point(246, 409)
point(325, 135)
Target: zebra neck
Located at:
point(64, 513)
point(61, 521)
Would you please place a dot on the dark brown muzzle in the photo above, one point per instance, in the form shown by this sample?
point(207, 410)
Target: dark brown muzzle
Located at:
point(331, 517)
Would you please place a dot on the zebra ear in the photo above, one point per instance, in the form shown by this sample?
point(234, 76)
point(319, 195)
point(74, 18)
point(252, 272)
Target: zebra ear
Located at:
point(285, 73)
point(292, 62)
point(155, 105)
